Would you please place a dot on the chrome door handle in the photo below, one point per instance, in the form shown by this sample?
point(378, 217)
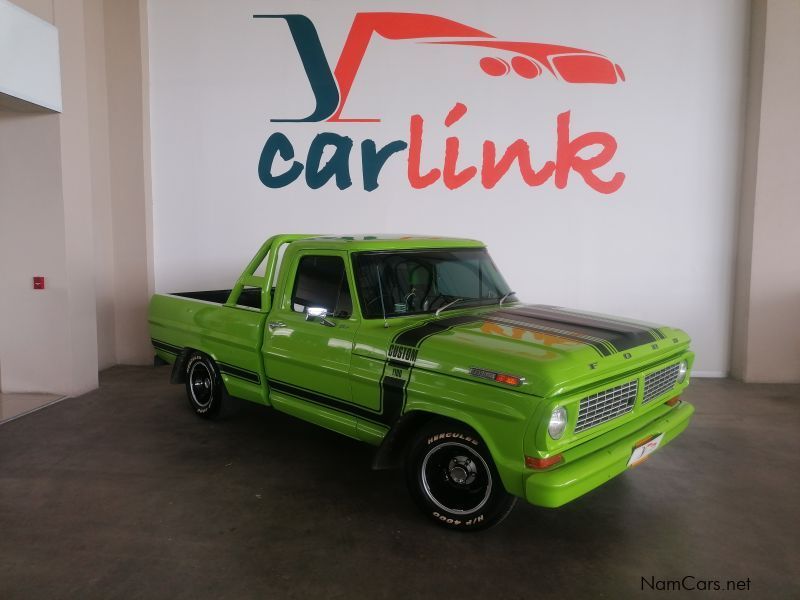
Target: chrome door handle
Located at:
point(273, 325)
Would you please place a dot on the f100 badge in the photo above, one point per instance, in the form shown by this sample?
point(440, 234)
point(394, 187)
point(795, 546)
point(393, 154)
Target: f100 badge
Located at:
point(581, 154)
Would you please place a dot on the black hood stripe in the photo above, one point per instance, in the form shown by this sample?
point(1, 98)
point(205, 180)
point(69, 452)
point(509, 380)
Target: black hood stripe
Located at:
point(602, 347)
point(608, 321)
point(581, 320)
point(620, 336)
point(414, 336)
point(605, 336)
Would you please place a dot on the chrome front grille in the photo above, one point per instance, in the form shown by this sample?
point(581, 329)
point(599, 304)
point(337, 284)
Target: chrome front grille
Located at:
point(606, 405)
point(659, 382)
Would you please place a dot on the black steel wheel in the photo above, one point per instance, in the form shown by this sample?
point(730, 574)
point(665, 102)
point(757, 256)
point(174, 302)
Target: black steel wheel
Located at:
point(203, 385)
point(451, 476)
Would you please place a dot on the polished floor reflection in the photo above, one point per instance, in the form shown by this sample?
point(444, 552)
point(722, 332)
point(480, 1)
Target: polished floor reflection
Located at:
point(124, 493)
point(15, 405)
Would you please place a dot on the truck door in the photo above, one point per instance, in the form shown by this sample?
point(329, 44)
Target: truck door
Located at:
point(309, 341)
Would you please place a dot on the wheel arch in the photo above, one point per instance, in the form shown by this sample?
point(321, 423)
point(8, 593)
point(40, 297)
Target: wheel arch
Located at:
point(509, 467)
point(179, 366)
point(503, 493)
point(390, 453)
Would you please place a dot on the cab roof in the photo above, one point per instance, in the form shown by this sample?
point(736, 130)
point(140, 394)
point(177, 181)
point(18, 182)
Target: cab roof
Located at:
point(362, 242)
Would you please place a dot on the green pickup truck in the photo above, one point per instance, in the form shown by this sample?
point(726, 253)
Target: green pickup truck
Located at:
point(418, 346)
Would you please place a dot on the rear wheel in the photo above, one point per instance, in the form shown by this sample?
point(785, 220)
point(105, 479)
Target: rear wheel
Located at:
point(203, 385)
point(451, 476)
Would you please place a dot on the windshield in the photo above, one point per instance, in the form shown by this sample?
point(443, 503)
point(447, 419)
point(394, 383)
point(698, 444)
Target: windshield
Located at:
point(423, 281)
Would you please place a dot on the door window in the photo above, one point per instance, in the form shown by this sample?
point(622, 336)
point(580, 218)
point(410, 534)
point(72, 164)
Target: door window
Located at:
point(321, 282)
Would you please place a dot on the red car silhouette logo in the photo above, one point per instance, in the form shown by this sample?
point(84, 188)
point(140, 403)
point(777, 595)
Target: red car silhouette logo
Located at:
point(526, 59)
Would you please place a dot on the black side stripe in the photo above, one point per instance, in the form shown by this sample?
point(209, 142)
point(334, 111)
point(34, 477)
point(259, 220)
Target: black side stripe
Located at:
point(224, 368)
point(165, 347)
point(239, 373)
point(401, 358)
point(381, 418)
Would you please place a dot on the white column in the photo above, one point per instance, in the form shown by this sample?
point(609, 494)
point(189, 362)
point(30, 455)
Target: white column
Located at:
point(766, 328)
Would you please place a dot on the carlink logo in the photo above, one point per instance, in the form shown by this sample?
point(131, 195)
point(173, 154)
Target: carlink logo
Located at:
point(527, 60)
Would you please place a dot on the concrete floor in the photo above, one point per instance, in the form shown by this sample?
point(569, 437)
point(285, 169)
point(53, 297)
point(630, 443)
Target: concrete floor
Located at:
point(15, 405)
point(124, 493)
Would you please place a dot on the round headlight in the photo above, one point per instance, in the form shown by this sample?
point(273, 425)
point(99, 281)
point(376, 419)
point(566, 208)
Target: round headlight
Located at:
point(558, 422)
point(683, 369)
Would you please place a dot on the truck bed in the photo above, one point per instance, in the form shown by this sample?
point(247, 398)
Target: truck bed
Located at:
point(250, 296)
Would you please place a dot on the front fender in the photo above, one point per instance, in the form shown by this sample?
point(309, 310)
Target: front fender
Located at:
point(498, 415)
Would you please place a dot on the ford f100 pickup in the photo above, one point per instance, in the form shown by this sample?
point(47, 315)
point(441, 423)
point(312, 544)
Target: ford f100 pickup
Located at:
point(418, 346)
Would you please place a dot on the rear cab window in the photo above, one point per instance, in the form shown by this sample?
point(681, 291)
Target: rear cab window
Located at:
point(321, 282)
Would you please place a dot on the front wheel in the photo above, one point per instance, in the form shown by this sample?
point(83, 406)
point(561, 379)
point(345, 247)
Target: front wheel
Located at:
point(451, 476)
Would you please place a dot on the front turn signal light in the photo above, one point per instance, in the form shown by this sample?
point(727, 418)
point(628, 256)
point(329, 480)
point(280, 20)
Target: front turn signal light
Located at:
point(507, 379)
point(673, 401)
point(533, 462)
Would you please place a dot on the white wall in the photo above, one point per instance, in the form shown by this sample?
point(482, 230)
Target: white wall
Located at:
point(34, 324)
point(29, 58)
point(74, 207)
point(48, 338)
point(767, 320)
point(660, 248)
point(76, 177)
point(97, 85)
point(127, 130)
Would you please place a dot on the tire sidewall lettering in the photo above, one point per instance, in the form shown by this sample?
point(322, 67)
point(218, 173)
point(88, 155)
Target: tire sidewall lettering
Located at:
point(195, 359)
point(492, 509)
point(454, 522)
point(452, 435)
point(445, 518)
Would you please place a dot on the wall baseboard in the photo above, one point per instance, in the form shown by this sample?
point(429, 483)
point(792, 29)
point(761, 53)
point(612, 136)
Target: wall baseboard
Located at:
point(710, 374)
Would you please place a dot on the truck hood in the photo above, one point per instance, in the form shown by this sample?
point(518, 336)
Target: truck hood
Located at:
point(554, 349)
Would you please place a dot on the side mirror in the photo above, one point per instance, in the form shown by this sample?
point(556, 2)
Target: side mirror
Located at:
point(320, 315)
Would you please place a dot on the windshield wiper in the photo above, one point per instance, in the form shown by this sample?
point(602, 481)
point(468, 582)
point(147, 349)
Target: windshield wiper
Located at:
point(504, 298)
point(448, 305)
